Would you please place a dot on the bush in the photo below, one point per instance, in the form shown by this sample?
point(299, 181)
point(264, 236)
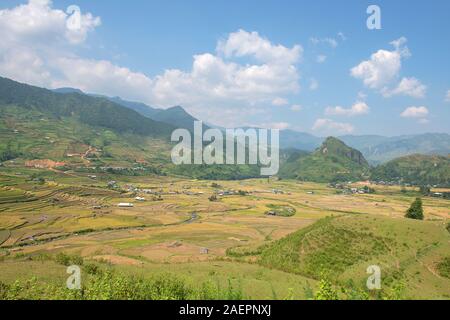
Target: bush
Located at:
point(416, 210)
point(108, 285)
point(67, 260)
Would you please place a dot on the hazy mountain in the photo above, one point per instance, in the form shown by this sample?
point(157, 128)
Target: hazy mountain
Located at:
point(139, 107)
point(299, 140)
point(332, 161)
point(68, 90)
point(378, 149)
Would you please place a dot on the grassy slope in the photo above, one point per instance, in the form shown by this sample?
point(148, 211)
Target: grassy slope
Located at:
point(407, 251)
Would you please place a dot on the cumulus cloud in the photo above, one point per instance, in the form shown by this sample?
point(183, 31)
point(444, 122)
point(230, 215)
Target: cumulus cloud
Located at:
point(251, 44)
point(38, 43)
point(382, 70)
point(220, 81)
point(408, 87)
point(359, 108)
point(33, 35)
point(415, 112)
point(330, 126)
point(38, 21)
point(101, 76)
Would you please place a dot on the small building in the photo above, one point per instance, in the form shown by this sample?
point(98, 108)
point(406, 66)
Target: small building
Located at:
point(125, 205)
point(204, 250)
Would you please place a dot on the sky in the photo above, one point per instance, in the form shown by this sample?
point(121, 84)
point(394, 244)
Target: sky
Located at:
point(310, 66)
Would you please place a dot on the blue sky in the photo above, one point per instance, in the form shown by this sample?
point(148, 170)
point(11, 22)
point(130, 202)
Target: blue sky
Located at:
point(303, 65)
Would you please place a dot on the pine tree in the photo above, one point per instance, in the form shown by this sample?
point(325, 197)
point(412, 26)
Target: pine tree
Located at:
point(416, 210)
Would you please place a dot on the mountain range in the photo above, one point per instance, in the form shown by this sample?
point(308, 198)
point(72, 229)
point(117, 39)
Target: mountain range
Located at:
point(38, 123)
point(375, 148)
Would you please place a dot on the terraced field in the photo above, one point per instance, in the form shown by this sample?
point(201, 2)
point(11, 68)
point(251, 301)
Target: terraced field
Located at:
point(178, 229)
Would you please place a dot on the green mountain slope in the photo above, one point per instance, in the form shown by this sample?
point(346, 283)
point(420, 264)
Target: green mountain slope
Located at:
point(89, 110)
point(416, 170)
point(333, 161)
point(85, 132)
point(177, 117)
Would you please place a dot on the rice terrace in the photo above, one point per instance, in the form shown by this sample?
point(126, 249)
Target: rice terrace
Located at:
point(219, 150)
point(234, 240)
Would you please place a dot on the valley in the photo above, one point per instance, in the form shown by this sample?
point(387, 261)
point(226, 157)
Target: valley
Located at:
point(86, 181)
point(175, 227)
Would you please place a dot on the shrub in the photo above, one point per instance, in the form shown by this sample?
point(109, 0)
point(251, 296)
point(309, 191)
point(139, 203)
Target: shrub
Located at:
point(67, 260)
point(415, 211)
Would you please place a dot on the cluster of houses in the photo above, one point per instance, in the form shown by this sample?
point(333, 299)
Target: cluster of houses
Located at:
point(347, 189)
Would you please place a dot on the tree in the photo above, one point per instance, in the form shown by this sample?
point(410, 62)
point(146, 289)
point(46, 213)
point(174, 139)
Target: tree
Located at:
point(416, 210)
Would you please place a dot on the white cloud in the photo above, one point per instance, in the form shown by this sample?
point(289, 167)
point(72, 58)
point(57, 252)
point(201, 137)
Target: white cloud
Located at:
point(415, 112)
point(33, 35)
point(251, 44)
point(37, 47)
point(321, 58)
point(382, 68)
point(313, 84)
point(37, 22)
point(101, 76)
point(359, 108)
point(296, 107)
point(330, 126)
point(382, 71)
point(408, 87)
point(279, 102)
point(447, 97)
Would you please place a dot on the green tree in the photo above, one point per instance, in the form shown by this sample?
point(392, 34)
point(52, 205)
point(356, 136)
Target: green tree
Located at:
point(416, 210)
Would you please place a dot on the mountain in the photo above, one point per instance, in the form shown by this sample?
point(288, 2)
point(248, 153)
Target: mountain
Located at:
point(378, 149)
point(139, 107)
point(87, 109)
point(89, 133)
point(332, 161)
point(299, 140)
point(68, 90)
point(416, 170)
point(176, 116)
